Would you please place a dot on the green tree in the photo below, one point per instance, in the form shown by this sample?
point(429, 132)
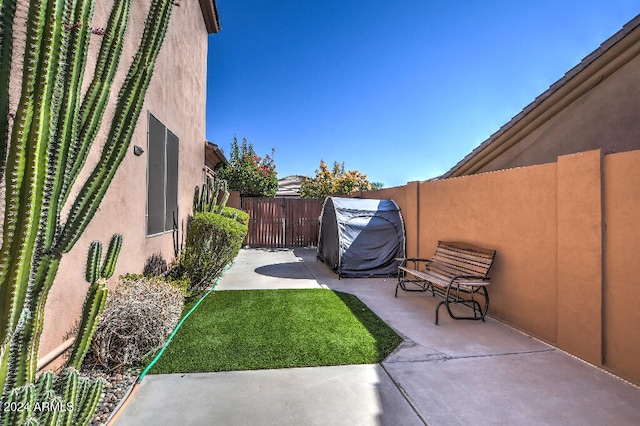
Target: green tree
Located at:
point(249, 174)
point(337, 181)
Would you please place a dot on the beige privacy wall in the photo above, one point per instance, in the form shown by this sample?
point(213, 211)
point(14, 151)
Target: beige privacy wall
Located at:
point(567, 240)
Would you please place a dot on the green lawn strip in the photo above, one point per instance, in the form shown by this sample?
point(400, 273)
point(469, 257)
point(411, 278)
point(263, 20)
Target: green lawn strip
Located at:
point(262, 329)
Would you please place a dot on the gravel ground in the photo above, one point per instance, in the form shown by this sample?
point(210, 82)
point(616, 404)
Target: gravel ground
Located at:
point(117, 386)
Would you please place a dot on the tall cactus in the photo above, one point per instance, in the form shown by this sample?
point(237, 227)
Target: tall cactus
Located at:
point(210, 198)
point(96, 296)
point(52, 132)
point(7, 13)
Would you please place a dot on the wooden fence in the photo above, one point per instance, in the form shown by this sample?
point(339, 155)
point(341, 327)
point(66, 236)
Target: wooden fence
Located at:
point(282, 222)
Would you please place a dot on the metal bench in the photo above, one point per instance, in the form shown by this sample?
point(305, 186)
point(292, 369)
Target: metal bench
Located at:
point(458, 272)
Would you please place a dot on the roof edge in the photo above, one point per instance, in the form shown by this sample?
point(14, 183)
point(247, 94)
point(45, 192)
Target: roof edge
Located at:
point(575, 83)
point(216, 149)
point(210, 14)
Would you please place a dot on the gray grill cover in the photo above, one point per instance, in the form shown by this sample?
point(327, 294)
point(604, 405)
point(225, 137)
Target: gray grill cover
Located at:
point(361, 238)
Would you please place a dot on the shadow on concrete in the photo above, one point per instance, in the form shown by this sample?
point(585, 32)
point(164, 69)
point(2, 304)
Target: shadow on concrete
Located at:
point(292, 270)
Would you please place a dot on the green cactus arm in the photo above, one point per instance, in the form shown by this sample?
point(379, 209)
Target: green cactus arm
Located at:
point(93, 261)
point(26, 166)
point(93, 307)
point(18, 364)
point(66, 386)
point(45, 276)
point(87, 402)
point(20, 397)
point(196, 198)
point(202, 206)
point(210, 192)
point(216, 193)
point(97, 96)
point(50, 417)
point(129, 105)
point(12, 360)
point(7, 15)
point(16, 165)
point(223, 202)
point(26, 162)
point(111, 258)
point(44, 383)
point(75, 55)
point(84, 384)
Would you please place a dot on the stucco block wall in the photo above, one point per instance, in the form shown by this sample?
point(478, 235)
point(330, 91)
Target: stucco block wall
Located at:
point(177, 97)
point(513, 212)
point(621, 265)
point(580, 254)
point(567, 242)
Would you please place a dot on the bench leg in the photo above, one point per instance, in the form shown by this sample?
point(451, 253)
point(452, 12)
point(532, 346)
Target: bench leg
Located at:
point(478, 311)
point(424, 285)
point(438, 309)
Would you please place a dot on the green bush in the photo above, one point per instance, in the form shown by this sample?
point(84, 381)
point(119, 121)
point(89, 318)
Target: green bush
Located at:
point(213, 241)
point(238, 215)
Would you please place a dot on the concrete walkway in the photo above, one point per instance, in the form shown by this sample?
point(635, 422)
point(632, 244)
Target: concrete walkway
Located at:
point(456, 373)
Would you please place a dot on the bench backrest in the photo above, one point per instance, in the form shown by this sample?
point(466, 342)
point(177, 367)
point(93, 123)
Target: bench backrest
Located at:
point(458, 258)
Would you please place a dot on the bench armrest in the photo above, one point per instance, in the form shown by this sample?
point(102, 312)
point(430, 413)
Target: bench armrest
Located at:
point(470, 277)
point(467, 277)
point(403, 261)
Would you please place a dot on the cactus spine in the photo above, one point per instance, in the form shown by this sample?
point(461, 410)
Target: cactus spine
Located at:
point(52, 132)
point(96, 296)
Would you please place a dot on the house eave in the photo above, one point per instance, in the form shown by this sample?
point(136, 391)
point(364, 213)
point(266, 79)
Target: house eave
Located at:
point(210, 15)
point(610, 56)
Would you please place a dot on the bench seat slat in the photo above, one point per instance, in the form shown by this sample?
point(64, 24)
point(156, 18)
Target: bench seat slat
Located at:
point(443, 280)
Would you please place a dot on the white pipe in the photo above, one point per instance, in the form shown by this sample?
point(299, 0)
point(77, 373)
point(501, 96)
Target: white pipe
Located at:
point(51, 356)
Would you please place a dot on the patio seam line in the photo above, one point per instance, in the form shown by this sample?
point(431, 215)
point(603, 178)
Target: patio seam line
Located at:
point(405, 395)
point(450, 358)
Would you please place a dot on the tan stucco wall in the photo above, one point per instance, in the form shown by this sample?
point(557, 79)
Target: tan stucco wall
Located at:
point(514, 213)
point(622, 268)
point(177, 97)
point(560, 273)
point(580, 254)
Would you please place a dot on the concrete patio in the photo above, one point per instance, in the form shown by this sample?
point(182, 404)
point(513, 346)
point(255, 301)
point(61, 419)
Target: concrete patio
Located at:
point(456, 373)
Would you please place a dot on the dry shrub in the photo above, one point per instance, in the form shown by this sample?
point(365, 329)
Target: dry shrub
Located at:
point(139, 315)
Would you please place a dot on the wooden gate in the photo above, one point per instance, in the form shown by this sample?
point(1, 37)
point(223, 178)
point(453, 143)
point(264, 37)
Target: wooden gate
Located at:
point(282, 222)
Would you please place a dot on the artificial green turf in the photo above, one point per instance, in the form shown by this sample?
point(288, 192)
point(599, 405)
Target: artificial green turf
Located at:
point(261, 329)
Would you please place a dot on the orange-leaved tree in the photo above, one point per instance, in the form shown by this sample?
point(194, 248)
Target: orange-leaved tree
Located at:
point(335, 181)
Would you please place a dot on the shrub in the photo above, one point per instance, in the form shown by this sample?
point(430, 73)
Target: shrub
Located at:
point(139, 315)
point(238, 215)
point(213, 241)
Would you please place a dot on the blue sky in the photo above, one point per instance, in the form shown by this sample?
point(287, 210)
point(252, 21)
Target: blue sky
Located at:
point(399, 90)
